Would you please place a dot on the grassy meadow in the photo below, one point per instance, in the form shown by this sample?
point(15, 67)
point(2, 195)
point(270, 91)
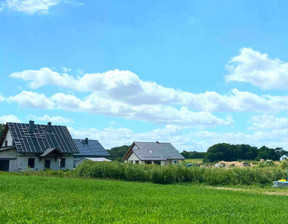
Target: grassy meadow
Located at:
point(36, 199)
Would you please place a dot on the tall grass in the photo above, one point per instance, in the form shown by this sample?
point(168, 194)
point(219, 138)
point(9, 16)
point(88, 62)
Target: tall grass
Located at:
point(180, 174)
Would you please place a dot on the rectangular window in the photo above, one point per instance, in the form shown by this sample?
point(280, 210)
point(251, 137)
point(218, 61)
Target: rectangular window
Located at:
point(6, 143)
point(31, 162)
point(62, 162)
point(47, 164)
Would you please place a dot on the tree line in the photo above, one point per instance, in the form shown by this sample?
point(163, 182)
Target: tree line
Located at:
point(228, 152)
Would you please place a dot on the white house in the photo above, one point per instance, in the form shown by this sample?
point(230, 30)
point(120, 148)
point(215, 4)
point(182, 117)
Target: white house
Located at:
point(284, 157)
point(36, 147)
point(152, 153)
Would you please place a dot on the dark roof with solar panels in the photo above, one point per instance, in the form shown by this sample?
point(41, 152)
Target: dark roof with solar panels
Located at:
point(36, 138)
point(89, 148)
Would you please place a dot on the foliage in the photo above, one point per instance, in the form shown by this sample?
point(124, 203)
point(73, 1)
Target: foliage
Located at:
point(117, 153)
point(180, 174)
point(2, 126)
point(33, 199)
point(193, 155)
point(228, 152)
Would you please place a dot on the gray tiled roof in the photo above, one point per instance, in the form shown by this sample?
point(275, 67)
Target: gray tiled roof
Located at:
point(40, 138)
point(156, 151)
point(92, 149)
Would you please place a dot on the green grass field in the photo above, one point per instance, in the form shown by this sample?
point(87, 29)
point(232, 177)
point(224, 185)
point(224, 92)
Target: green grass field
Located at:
point(193, 161)
point(34, 199)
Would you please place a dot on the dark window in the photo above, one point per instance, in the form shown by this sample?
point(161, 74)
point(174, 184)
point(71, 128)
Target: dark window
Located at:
point(148, 161)
point(62, 163)
point(13, 143)
point(4, 165)
point(157, 162)
point(6, 143)
point(47, 164)
point(31, 162)
point(137, 162)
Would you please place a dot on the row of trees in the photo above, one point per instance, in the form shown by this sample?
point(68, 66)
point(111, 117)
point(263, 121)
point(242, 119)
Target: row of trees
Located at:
point(227, 152)
point(193, 155)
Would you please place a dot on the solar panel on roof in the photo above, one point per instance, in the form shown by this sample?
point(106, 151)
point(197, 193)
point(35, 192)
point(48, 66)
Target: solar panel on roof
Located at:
point(40, 139)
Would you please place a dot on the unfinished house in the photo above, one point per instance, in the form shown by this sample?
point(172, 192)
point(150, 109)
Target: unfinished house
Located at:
point(36, 147)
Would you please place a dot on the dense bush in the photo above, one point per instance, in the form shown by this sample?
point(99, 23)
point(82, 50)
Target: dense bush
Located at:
point(180, 174)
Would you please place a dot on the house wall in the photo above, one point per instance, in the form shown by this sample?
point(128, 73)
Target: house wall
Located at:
point(21, 163)
point(133, 157)
point(8, 138)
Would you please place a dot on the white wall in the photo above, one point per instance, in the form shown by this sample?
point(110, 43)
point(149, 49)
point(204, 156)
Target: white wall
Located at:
point(21, 163)
point(8, 138)
point(133, 157)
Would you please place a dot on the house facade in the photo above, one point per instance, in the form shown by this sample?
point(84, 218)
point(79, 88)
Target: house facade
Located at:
point(284, 157)
point(36, 147)
point(89, 150)
point(152, 153)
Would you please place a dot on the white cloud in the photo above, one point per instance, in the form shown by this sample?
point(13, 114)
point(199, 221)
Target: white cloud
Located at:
point(258, 69)
point(126, 87)
point(163, 114)
point(149, 113)
point(53, 119)
point(9, 118)
point(2, 98)
point(112, 137)
point(43, 77)
point(32, 100)
point(269, 122)
point(181, 139)
point(30, 6)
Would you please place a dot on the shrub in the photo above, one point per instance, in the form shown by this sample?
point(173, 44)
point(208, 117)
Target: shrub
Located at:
point(180, 174)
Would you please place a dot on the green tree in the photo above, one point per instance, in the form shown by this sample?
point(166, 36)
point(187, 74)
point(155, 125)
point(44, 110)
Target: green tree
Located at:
point(117, 153)
point(1, 129)
point(193, 155)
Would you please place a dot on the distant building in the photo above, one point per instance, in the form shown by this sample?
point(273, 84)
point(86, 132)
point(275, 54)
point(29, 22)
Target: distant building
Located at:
point(152, 153)
point(284, 157)
point(89, 150)
point(36, 146)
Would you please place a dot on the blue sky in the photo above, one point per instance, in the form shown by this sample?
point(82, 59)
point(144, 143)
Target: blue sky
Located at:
point(193, 73)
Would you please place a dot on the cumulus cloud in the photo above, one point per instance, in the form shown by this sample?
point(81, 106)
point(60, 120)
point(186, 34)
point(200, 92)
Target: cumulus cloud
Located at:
point(181, 139)
point(150, 113)
point(30, 99)
point(258, 69)
point(112, 137)
point(30, 6)
point(126, 87)
point(9, 118)
point(271, 122)
point(53, 119)
point(162, 114)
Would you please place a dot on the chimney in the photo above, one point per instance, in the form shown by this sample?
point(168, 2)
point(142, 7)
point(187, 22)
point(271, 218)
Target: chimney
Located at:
point(86, 141)
point(49, 126)
point(31, 126)
point(157, 142)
